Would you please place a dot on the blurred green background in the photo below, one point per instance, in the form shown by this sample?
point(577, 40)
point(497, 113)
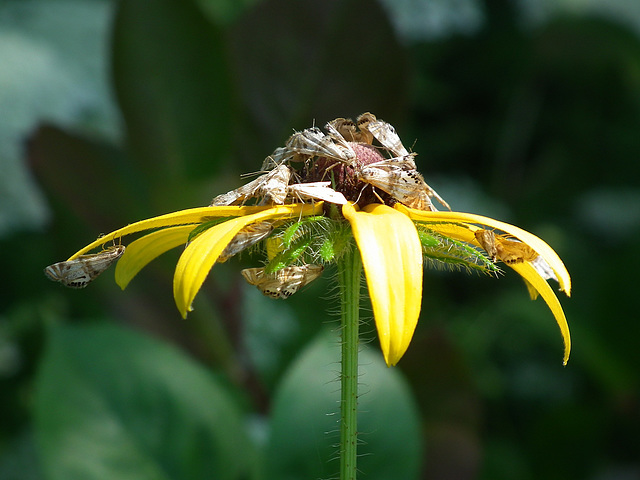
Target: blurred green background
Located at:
point(110, 112)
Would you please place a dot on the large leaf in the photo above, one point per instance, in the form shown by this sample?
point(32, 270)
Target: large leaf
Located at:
point(114, 404)
point(305, 418)
point(172, 85)
point(52, 59)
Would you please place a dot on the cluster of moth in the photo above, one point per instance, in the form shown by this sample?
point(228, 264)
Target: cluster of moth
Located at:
point(281, 182)
point(343, 163)
point(396, 176)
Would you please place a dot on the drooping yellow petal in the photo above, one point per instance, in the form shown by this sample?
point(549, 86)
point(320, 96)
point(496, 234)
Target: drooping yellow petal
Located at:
point(392, 258)
point(140, 252)
point(537, 282)
point(540, 246)
point(201, 254)
point(194, 216)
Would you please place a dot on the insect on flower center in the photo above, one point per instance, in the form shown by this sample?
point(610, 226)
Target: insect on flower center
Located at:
point(345, 179)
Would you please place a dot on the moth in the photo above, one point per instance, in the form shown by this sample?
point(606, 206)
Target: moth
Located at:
point(283, 283)
point(345, 128)
point(312, 142)
point(499, 247)
point(405, 184)
point(383, 132)
point(245, 238)
point(271, 187)
point(279, 156)
point(81, 271)
point(317, 190)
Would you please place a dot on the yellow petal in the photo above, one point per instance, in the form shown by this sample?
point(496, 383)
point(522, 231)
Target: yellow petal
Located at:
point(195, 216)
point(541, 247)
point(140, 252)
point(537, 282)
point(392, 258)
point(201, 254)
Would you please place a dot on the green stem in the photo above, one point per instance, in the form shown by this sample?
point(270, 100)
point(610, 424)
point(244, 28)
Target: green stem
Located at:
point(349, 274)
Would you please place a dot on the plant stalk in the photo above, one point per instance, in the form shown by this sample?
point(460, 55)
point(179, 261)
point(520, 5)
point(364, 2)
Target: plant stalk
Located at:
point(349, 275)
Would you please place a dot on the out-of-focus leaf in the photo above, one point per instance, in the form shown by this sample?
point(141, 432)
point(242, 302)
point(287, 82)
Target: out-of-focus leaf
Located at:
point(51, 66)
point(172, 83)
point(305, 418)
point(19, 460)
point(302, 61)
point(114, 404)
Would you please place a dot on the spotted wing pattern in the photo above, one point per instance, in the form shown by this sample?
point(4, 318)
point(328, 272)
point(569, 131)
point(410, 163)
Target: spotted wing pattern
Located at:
point(81, 271)
point(283, 283)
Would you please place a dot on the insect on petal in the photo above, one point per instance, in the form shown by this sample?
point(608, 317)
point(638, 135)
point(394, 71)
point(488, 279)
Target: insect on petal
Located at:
point(82, 270)
point(203, 252)
point(537, 244)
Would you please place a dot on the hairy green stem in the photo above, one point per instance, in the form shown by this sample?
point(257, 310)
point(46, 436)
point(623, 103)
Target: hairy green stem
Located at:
point(349, 274)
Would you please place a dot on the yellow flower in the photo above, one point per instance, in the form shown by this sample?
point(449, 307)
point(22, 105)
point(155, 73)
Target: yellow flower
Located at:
point(347, 168)
point(392, 257)
point(201, 253)
point(387, 238)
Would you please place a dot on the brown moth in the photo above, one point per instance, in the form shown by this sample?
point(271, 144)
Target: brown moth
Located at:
point(403, 183)
point(312, 142)
point(279, 156)
point(383, 132)
point(283, 283)
point(245, 238)
point(272, 187)
point(345, 128)
point(499, 247)
point(81, 271)
point(487, 240)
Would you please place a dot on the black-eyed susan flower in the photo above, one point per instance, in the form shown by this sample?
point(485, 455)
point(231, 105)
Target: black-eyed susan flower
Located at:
point(376, 194)
point(334, 198)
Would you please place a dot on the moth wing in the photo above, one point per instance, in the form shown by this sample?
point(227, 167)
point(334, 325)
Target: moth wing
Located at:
point(344, 128)
point(311, 272)
point(514, 251)
point(283, 283)
point(405, 162)
point(245, 238)
point(312, 141)
point(319, 191)
point(81, 271)
point(279, 156)
point(487, 240)
point(253, 276)
point(383, 132)
point(419, 201)
point(275, 184)
point(239, 194)
point(543, 268)
point(403, 184)
point(403, 169)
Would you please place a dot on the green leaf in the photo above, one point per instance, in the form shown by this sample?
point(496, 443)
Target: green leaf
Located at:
point(172, 84)
point(306, 409)
point(114, 404)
